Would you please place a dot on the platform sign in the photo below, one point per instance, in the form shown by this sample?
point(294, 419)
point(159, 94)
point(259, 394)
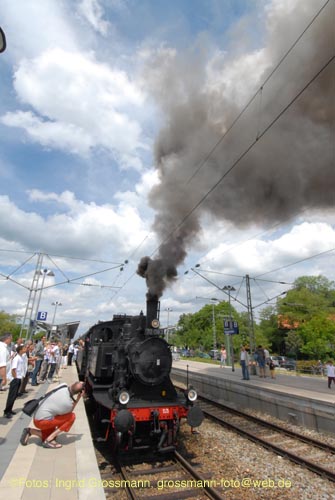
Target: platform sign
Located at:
point(230, 327)
point(42, 315)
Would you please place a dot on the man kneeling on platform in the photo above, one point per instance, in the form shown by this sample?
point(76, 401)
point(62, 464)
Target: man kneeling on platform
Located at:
point(54, 415)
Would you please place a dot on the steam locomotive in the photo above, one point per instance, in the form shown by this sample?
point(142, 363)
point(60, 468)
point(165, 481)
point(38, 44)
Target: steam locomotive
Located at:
point(126, 366)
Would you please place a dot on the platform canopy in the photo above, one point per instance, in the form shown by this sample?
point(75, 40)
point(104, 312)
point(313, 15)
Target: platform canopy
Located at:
point(63, 332)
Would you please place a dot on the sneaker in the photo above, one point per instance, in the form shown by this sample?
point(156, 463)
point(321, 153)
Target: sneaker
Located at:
point(7, 415)
point(12, 412)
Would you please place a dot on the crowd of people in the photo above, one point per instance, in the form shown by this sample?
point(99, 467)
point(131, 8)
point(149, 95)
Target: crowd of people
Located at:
point(261, 358)
point(37, 362)
point(40, 362)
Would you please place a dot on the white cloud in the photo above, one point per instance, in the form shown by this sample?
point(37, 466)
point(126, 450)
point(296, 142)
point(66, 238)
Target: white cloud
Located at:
point(83, 230)
point(93, 12)
point(59, 135)
point(257, 256)
point(66, 197)
point(36, 25)
point(79, 104)
point(141, 189)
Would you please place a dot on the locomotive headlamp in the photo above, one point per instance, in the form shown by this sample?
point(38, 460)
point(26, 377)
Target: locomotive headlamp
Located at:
point(192, 395)
point(124, 397)
point(155, 323)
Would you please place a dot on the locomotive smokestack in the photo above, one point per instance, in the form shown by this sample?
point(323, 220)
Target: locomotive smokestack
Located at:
point(152, 310)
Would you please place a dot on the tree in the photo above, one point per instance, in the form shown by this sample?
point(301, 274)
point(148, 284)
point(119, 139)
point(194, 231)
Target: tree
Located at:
point(268, 332)
point(8, 323)
point(196, 330)
point(318, 336)
point(294, 343)
point(306, 319)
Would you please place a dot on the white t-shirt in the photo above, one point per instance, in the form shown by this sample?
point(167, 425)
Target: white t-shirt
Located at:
point(244, 356)
point(330, 371)
point(54, 354)
point(58, 403)
point(4, 355)
point(19, 365)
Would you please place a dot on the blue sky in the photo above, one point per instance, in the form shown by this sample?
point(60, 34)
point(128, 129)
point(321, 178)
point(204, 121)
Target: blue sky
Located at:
point(90, 89)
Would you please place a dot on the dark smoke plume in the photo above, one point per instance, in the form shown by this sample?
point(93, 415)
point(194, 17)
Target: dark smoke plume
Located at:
point(290, 168)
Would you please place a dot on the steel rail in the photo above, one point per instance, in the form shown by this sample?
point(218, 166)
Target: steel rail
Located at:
point(314, 467)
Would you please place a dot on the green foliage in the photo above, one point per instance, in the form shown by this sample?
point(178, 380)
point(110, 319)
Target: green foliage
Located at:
point(318, 336)
point(8, 324)
point(268, 334)
point(294, 343)
point(195, 331)
point(309, 311)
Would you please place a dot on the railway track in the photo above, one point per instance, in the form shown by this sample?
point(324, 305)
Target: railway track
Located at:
point(172, 479)
point(300, 449)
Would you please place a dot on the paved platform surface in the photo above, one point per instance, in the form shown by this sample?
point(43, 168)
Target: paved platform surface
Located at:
point(309, 386)
point(33, 472)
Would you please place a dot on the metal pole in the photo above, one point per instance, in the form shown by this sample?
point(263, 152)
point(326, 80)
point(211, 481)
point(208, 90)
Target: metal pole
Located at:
point(56, 304)
point(31, 298)
point(38, 303)
point(214, 330)
point(228, 349)
point(251, 324)
point(231, 343)
point(168, 309)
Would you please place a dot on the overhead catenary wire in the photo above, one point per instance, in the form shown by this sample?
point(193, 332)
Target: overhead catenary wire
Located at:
point(67, 279)
point(256, 235)
point(258, 137)
point(257, 278)
point(244, 153)
point(242, 276)
point(250, 146)
point(296, 262)
point(239, 159)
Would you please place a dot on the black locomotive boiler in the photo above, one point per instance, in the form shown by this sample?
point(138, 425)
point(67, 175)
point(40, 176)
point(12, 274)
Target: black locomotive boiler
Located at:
point(126, 366)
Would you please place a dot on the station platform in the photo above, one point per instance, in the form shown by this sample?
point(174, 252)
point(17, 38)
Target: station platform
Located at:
point(302, 400)
point(34, 473)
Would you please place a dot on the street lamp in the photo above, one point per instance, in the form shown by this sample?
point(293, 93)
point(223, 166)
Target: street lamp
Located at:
point(229, 289)
point(43, 273)
point(56, 304)
point(168, 310)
